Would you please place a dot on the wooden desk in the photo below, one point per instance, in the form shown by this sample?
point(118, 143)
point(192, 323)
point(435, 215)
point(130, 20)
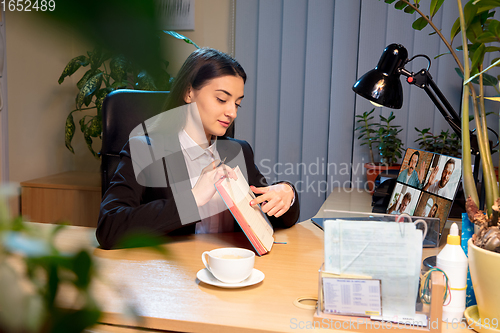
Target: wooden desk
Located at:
point(168, 296)
point(74, 197)
point(352, 200)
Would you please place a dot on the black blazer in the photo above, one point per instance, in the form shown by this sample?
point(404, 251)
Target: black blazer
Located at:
point(147, 203)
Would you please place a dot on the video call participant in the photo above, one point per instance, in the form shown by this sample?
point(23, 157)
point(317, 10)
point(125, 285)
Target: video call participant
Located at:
point(400, 207)
point(215, 82)
point(439, 186)
point(409, 175)
point(433, 211)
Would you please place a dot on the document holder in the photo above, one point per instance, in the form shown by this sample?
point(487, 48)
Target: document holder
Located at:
point(433, 311)
point(433, 224)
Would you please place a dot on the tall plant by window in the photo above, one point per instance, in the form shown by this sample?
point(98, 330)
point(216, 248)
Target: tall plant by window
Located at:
point(480, 36)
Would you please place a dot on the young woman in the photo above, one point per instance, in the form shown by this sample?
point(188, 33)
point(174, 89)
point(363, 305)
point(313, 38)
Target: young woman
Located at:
point(165, 180)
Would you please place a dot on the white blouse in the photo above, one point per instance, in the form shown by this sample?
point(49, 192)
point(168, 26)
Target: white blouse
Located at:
point(215, 217)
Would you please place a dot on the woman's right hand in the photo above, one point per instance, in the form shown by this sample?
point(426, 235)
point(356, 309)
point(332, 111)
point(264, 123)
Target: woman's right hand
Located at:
point(204, 188)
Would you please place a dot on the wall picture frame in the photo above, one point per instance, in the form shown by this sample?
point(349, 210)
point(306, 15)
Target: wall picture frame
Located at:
point(175, 14)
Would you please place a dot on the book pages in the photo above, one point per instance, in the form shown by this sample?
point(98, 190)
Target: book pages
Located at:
point(241, 196)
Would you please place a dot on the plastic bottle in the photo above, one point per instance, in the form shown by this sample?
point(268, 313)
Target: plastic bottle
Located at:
point(453, 261)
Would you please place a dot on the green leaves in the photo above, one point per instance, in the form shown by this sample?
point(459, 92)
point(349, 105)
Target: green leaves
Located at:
point(444, 143)
point(91, 129)
point(118, 66)
point(82, 266)
point(78, 320)
point(75, 270)
point(383, 134)
point(97, 57)
point(478, 56)
point(400, 5)
point(419, 23)
point(145, 81)
point(390, 146)
point(179, 36)
point(88, 74)
point(410, 8)
point(487, 5)
point(435, 6)
point(73, 66)
point(109, 72)
point(99, 99)
point(455, 29)
point(93, 84)
point(69, 132)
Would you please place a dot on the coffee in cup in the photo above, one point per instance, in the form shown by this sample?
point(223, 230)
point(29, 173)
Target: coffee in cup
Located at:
point(229, 264)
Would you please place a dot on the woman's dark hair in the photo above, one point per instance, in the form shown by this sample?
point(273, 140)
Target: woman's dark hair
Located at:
point(200, 67)
point(435, 212)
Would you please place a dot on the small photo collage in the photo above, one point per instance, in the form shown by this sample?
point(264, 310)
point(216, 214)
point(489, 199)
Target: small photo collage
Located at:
point(426, 185)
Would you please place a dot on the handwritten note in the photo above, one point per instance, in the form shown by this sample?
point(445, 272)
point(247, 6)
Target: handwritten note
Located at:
point(388, 251)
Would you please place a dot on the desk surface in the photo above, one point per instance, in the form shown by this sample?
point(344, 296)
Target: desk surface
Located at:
point(167, 294)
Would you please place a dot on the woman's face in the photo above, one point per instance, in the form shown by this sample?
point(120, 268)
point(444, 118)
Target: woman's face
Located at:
point(218, 102)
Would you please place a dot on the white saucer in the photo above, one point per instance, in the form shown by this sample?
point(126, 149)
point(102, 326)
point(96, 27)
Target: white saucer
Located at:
point(205, 276)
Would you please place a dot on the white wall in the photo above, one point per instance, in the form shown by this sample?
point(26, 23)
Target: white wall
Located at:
point(213, 28)
point(37, 53)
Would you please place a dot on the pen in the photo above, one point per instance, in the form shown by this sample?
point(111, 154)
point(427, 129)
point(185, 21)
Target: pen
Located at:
point(221, 162)
point(224, 168)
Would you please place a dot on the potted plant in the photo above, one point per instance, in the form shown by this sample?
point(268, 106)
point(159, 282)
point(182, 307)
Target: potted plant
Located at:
point(384, 136)
point(444, 143)
point(107, 72)
point(479, 31)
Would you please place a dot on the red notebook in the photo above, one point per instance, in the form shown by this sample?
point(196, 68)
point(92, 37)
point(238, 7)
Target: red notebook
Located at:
point(237, 195)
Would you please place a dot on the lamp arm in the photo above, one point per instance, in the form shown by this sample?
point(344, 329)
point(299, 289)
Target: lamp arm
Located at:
point(424, 80)
point(447, 116)
point(443, 99)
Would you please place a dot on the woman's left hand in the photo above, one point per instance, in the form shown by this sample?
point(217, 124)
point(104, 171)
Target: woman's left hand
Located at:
point(275, 199)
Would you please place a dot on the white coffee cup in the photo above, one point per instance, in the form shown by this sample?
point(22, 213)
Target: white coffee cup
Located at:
point(229, 264)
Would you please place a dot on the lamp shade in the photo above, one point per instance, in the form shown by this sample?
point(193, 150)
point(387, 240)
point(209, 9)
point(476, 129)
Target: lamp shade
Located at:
point(382, 85)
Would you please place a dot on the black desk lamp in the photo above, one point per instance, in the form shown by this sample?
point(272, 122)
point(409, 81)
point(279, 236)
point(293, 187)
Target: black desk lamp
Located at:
point(382, 86)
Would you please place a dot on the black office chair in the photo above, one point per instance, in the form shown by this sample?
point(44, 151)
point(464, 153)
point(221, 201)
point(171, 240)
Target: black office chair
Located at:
point(122, 111)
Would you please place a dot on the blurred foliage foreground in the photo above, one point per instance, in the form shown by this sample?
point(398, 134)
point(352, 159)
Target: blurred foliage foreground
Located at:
point(44, 289)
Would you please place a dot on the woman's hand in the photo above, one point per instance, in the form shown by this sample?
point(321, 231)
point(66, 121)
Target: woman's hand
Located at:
point(276, 199)
point(204, 188)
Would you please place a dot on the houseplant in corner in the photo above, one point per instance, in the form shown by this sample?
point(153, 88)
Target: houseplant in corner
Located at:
point(384, 136)
point(107, 72)
point(480, 32)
